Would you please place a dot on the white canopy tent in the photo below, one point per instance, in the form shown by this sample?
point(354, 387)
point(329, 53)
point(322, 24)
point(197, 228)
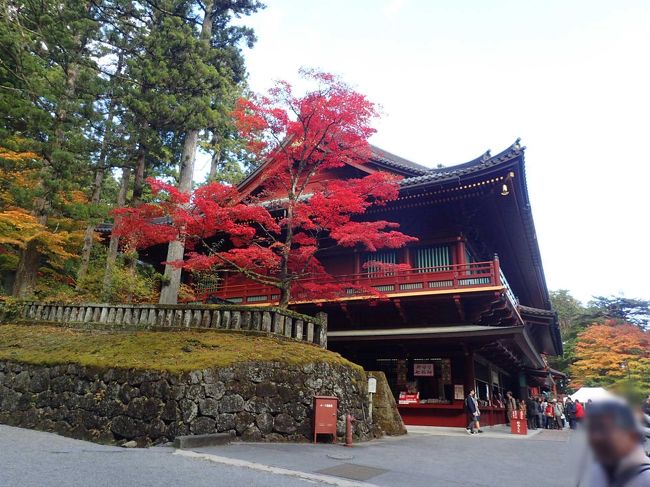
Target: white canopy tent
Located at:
point(594, 393)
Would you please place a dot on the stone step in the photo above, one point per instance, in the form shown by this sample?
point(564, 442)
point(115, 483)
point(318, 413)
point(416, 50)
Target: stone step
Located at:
point(198, 441)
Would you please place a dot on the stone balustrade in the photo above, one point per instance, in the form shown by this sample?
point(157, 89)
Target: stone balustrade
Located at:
point(268, 320)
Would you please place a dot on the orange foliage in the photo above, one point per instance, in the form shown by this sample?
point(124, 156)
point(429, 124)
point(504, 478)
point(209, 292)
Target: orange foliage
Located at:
point(18, 227)
point(611, 354)
point(16, 156)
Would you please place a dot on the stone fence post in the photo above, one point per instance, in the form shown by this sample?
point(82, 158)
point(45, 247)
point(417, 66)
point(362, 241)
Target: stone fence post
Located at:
point(269, 320)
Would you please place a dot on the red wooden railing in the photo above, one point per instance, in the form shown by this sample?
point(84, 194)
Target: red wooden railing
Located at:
point(237, 289)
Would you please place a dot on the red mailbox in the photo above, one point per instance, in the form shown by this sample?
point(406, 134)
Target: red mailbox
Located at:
point(518, 424)
point(325, 415)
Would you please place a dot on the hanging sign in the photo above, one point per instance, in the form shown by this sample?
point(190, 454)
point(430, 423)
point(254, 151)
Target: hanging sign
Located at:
point(446, 371)
point(459, 392)
point(422, 370)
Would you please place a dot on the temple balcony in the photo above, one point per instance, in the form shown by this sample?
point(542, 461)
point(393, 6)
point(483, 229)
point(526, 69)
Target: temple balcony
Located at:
point(415, 282)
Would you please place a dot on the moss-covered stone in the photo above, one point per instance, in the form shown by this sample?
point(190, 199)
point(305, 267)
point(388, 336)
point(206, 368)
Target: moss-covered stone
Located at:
point(384, 409)
point(169, 351)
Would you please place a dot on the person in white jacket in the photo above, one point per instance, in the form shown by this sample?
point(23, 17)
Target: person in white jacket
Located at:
point(617, 445)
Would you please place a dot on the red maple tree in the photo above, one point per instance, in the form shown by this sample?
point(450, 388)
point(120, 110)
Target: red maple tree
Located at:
point(274, 237)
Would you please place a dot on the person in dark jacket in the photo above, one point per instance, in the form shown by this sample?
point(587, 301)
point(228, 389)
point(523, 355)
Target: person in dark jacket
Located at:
point(511, 405)
point(531, 412)
point(570, 412)
point(471, 404)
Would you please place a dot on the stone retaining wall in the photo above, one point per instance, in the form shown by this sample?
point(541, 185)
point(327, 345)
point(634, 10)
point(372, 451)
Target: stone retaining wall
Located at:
point(153, 316)
point(254, 401)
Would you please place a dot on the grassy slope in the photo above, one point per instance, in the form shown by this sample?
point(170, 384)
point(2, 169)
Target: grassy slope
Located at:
point(174, 351)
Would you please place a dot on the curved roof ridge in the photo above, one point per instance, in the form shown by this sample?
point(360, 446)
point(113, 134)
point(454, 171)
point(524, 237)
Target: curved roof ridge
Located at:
point(385, 157)
point(485, 160)
point(478, 160)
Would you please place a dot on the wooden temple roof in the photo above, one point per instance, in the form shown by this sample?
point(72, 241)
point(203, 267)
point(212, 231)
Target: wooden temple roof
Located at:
point(481, 164)
point(383, 157)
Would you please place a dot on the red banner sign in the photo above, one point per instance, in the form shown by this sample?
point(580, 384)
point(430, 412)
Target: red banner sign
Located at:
point(406, 398)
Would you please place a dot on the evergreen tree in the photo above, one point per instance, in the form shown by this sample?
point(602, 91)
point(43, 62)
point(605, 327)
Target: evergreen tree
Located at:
point(47, 99)
point(217, 62)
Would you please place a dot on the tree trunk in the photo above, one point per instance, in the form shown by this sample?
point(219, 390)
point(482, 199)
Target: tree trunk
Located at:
point(90, 229)
point(138, 187)
point(215, 160)
point(176, 249)
point(27, 270)
point(138, 180)
point(30, 257)
point(285, 281)
point(100, 172)
point(114, 243)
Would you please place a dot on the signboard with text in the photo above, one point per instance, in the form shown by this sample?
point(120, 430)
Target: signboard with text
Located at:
point(423, 370)
point(518, 424)
point(406, 398)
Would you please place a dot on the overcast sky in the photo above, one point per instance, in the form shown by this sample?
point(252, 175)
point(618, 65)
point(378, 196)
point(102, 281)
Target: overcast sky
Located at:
point(457, 77)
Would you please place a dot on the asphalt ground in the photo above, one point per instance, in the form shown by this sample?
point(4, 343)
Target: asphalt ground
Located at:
point(425, 457)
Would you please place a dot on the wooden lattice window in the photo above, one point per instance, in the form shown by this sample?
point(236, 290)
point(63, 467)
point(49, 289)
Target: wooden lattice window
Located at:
point(384, 256)
point(432, 259)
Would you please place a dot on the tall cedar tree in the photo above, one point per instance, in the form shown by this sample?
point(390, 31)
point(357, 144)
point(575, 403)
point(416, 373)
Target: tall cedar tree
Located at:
point(217, 62)
point(299, 138)
point(182, 67)
point(48, 87)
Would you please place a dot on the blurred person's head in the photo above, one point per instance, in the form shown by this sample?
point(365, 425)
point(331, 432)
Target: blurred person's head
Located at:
point(613, 432)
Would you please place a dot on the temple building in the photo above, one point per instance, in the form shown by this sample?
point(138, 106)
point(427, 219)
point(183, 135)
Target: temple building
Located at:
point(473, 309)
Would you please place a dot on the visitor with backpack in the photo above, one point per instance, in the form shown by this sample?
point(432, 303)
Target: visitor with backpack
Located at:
point(471, 404)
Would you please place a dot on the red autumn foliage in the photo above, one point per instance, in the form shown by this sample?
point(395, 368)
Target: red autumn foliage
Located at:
point(277, 242)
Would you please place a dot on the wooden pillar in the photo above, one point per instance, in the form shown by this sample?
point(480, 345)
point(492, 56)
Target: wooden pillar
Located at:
point(497, 274)
point(469, 371)
point(523, 385)
point(407, 256)
point(357, 263)
point(461, 255)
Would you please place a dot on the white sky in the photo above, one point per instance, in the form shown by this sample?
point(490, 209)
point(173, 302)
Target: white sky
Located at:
point(457, 77)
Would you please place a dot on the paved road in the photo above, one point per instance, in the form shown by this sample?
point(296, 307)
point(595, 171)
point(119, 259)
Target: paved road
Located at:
point(30, 458)
point(36, 459)
point(550, 458)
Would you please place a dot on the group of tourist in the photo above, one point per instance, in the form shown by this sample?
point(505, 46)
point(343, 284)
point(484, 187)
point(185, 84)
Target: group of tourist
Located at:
point(553, 414)
point(540, 412)
point(615, 435)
